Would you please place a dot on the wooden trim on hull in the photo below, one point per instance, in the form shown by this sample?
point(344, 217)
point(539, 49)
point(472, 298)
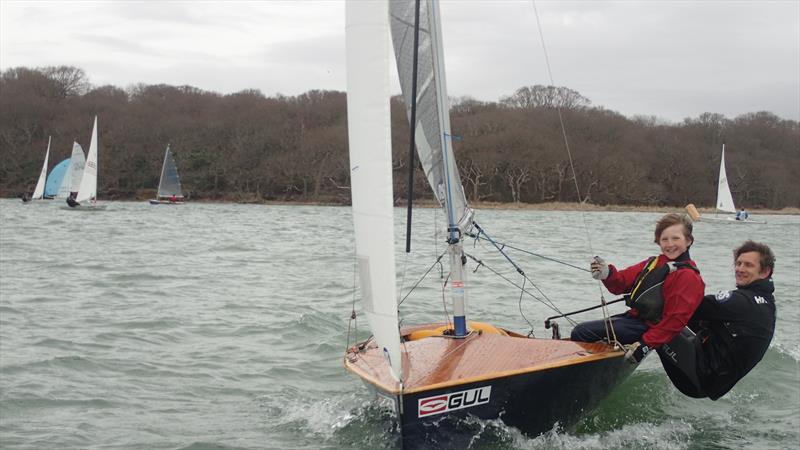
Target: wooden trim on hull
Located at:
point(441, 362)
point(528, 383)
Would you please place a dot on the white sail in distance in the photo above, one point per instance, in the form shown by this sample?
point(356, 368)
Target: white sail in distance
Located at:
point(38, 192)
point(170, 182)
point(433, 137)
point(77, 162)
point(88, 187)
point(370, 147)
point(724, 197)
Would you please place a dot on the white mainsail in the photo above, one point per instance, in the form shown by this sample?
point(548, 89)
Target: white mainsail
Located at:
point(370, 146)
point(724, 197)
point(88, 187)
point(38, 192)
point(170, 182)
point(432, 135)
point(77, 162)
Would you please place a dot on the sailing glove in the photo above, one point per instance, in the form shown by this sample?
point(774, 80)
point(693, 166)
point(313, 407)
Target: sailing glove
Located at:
point(599, 268)
point(636, 352)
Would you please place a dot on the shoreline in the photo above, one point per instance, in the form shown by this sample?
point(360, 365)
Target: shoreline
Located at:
point(548, 206)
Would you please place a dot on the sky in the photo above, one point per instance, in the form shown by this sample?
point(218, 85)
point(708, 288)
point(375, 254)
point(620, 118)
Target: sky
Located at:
point(669, 59)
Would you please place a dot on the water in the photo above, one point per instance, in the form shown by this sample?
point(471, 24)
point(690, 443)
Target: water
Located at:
point(212, 326)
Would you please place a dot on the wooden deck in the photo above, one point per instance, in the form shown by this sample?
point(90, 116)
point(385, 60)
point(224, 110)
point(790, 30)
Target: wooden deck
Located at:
point(438, 362)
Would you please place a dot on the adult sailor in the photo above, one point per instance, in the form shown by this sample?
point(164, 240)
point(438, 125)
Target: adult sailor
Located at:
point(733, 329)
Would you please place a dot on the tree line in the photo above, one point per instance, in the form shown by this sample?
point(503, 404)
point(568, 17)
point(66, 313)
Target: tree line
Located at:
point(249, 147)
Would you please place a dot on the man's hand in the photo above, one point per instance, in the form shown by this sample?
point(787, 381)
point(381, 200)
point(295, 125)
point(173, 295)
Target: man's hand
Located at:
point(636, 352)
point(599, 268)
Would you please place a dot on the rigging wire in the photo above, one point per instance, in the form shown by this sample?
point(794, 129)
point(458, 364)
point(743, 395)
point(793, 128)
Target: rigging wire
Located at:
point(422, 278)
point(504, 245)
point(606, 317)
point(547, 302)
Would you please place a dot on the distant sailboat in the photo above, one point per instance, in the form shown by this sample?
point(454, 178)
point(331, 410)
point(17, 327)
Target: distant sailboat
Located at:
point(38, 191)
point(86, 195)
point(72, 182)
point(55, 179)
point(724, 200)
point(169, 186)
point(724, 197)
point(432, 372)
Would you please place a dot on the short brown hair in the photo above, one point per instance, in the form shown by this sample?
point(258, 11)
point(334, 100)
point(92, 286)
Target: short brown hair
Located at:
point(766, 257)
point(674, 219)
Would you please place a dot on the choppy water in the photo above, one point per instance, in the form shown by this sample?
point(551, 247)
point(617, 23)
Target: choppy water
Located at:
point(223, 327)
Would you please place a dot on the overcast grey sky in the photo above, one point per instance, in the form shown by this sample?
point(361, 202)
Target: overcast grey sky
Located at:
point(671, 59)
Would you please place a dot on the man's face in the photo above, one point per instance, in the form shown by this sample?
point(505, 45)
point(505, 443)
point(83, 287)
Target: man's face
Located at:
point(748, 269)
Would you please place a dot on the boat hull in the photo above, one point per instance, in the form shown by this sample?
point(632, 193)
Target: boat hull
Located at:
point(530, 384)
point(531, 402)
point(731, 220)
point(164, 202)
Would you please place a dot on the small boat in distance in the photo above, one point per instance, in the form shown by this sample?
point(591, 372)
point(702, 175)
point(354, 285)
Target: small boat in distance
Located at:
point(724, 201)
point(169, 187)
point(38, 191)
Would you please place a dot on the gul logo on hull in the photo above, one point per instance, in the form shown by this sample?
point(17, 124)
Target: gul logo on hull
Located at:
point(440, 404)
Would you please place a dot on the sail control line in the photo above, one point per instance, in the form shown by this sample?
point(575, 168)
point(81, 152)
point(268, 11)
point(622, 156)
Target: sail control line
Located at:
point(611, 335)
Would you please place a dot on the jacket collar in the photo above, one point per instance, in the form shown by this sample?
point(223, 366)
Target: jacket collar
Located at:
point(763, 286)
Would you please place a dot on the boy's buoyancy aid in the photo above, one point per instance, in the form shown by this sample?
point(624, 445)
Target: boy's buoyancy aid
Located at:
point(646, 297)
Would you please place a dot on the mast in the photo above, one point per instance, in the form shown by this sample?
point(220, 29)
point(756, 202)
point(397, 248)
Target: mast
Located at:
point(458, 292)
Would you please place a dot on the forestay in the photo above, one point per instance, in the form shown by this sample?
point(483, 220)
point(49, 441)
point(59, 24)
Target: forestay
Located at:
point(433, 137)
point(370, 147)
point(170, 183)
point(724, 197)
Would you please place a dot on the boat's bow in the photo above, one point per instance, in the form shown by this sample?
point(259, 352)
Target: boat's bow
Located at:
point(529, 383)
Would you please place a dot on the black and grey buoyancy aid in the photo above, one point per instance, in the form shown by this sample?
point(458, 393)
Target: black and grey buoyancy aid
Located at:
point(646, 297)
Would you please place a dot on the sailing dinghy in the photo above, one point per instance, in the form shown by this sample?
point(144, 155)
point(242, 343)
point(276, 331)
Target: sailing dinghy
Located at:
point(38, 191)
point(86, 195)
point(169, 186)
point(56, 179)
point(447, 370)
point(724, 200)
point(72, 182)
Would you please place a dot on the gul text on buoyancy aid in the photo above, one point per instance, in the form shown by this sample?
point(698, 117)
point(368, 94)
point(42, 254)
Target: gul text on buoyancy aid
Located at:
point(647, 297)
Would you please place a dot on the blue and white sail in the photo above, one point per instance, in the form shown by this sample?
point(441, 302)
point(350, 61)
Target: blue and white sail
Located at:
point(38, 191)
point(370, 147)
point(55, 179)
